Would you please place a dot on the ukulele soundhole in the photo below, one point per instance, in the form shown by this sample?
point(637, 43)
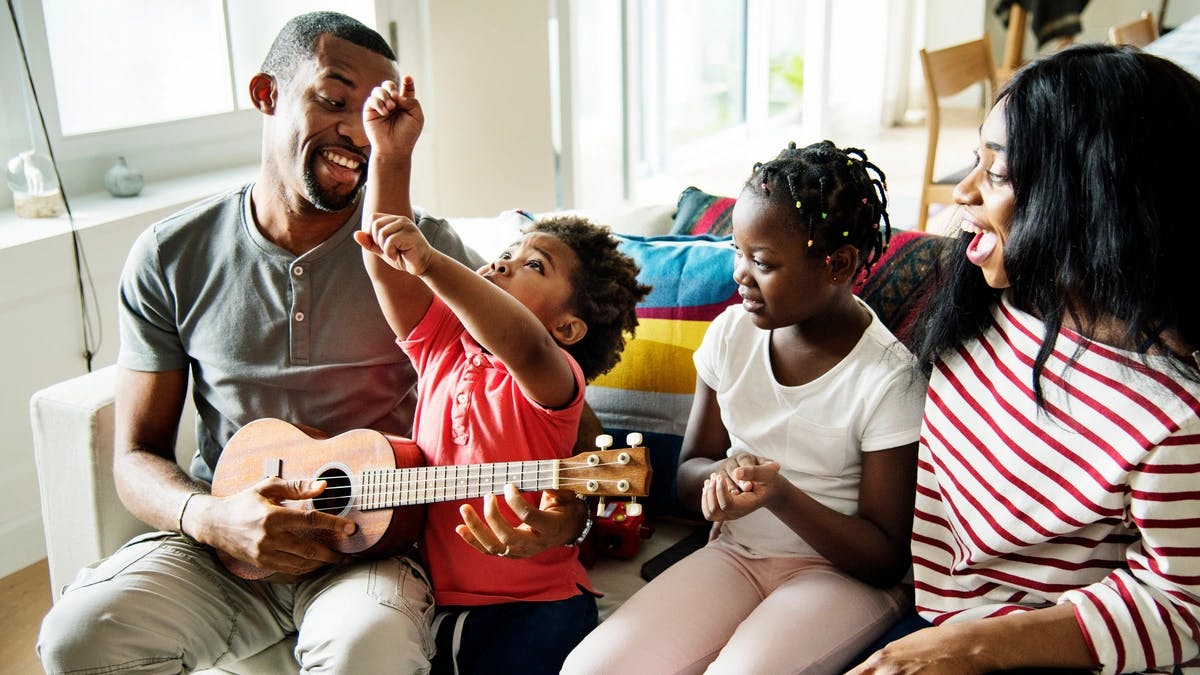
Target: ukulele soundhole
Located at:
point(337, 496)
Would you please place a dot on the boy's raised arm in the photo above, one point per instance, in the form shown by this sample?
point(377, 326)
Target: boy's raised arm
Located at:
point(393, 119)
point(405, 269)
point(508, 330)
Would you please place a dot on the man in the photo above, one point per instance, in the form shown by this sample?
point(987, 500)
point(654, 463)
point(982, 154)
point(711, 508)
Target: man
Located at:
point(262, 294)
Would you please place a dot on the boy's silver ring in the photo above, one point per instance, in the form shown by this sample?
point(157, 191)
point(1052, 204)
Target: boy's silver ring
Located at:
point(505, 552)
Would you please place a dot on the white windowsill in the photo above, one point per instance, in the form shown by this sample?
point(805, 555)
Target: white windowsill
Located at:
point(158, 199)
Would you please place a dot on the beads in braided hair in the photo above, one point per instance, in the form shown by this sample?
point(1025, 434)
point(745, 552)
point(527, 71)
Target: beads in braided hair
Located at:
point(838, 196)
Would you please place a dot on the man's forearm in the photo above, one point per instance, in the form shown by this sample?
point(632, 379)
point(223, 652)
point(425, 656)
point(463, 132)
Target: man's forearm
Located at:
point(152, 488)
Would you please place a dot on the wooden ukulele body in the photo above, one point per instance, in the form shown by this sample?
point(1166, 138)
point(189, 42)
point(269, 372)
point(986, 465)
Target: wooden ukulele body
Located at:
point(272, 447)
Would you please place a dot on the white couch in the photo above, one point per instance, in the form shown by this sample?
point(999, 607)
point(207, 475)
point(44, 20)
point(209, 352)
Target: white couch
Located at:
point(73, 443)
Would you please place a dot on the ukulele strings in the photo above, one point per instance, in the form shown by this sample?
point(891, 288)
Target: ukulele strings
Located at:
point(425, 483)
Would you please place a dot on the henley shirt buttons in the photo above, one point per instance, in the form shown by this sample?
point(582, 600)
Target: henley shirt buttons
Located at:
point(298, 271)
point(461, 398)
point(477, 360)
point(299, 316)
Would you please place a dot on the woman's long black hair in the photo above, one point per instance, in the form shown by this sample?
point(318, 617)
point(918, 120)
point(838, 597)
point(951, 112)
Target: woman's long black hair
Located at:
point(1101, 149)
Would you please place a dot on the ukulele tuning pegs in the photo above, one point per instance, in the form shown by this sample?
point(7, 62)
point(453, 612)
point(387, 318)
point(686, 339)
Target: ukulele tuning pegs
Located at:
point(633, 509)
point(604, 441)
point(633, 439)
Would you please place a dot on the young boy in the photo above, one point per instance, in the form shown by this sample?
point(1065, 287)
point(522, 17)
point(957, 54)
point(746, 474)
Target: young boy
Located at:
point(502, 356)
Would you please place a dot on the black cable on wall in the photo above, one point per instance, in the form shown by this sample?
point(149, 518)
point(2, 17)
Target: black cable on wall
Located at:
point(93, 328)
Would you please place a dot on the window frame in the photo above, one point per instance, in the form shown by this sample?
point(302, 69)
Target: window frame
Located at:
point(163, 149)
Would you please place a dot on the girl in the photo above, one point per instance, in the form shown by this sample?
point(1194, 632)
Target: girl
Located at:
point(801, 447)
point(1056, 512)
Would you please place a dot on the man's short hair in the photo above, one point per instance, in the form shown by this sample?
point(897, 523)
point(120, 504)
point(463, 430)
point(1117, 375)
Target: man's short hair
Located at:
point(297, 41)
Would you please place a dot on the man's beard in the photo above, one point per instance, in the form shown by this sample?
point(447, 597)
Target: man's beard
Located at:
point(325, 200)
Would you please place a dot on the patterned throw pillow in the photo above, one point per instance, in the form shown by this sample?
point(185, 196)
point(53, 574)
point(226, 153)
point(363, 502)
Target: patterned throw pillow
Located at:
point(900, 280)
point(701, 213)
point(651, 389)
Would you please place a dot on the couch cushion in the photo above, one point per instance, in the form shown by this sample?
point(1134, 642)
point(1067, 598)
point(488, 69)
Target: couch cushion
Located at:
point(701, 213)
point(651, 389)
point(490, 235)
point(642, 221)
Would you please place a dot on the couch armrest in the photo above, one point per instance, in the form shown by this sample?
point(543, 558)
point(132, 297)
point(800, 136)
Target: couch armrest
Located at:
point(82, 516)
point(73, 446)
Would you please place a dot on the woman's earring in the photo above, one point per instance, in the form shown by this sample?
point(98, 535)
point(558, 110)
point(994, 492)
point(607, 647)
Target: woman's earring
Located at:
point(828, 260)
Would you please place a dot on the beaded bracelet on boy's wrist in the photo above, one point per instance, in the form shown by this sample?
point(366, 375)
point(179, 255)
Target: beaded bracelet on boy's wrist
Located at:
point(587, 524)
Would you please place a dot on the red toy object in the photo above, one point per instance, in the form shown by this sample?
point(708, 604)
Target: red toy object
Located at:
point(616, 534)
point(621, 526)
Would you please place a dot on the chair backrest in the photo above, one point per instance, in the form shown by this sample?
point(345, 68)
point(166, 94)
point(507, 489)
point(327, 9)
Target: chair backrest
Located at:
point(1014, 41)
point(953, 69)
point(1138, 33)
point(949, 71)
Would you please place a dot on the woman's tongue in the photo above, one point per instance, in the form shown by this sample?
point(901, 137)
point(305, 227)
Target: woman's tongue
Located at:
point(981, 247)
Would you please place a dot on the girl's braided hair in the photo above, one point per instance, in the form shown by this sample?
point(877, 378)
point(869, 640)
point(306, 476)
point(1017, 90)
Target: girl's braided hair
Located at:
point(837, 195)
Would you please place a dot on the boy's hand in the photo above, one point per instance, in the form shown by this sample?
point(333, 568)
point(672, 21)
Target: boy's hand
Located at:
point(392, 118)
point(397, 241)
point(553, 523)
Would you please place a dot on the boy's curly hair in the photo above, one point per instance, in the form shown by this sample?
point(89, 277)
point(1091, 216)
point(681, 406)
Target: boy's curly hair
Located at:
point(605, 291)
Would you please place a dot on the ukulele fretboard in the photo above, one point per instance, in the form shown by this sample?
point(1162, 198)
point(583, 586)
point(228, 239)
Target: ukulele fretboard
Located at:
point(389, 488)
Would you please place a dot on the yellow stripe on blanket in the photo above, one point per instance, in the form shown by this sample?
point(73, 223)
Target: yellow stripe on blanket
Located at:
point(659, 359)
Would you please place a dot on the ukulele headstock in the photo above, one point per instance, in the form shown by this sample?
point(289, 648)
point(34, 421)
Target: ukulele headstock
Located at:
point(608, 472)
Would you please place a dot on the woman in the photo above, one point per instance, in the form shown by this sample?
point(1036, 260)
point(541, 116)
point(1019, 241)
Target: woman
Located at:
point(1056, 515)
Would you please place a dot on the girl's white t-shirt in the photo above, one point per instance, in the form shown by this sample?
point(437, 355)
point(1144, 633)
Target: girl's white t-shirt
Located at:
point(871, 400)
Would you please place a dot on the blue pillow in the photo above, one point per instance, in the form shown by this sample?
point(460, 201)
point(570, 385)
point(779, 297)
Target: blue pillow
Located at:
point(651, 389)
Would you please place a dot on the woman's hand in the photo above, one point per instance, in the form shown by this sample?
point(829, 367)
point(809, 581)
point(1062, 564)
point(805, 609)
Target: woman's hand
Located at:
point(940, 650)
point(1046, 638)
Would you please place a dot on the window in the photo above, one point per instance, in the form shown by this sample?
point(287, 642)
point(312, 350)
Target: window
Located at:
point(161, 82)
point(662, 88)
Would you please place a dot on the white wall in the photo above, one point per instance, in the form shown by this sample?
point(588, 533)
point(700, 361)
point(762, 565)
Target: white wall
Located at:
point(489, 116)
point(42, 334)
point(946, 22)
point(40, 345)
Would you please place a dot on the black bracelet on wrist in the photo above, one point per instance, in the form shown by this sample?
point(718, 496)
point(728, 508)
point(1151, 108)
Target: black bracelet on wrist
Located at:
point(179, 519)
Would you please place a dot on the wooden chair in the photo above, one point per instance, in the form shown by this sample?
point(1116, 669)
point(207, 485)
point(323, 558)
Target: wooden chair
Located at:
point(1138, 33)
point(1014, 43)
point(947, 72)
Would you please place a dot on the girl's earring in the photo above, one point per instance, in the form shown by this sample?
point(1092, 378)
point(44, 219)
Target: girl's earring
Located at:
point(828, 260)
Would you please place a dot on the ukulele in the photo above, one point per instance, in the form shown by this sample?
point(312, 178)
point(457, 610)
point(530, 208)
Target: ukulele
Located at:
point(380, 480)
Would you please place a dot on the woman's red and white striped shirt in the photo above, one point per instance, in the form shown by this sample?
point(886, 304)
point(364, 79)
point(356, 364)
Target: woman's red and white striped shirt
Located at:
point(1093, 499)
